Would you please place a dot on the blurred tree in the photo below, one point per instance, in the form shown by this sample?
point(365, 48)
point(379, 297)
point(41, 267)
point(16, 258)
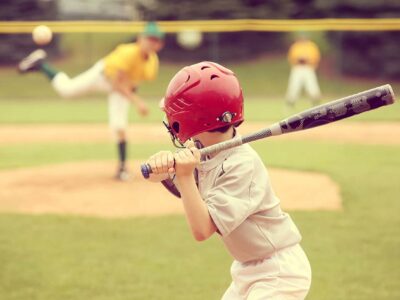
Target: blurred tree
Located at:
point(374, 54)
point(358, 53)
point(225, 45)
point(16, 46)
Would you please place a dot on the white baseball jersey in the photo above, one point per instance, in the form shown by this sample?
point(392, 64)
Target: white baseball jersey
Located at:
point(236, 188)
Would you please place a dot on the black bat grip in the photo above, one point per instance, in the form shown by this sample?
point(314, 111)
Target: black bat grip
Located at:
point(146, 170)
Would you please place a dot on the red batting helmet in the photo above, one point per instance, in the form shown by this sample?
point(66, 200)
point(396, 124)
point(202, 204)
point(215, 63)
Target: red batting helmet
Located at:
point(202, 97)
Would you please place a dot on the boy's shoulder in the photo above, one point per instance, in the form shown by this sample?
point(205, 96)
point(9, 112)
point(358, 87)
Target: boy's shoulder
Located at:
point(243, 155)
point(238, 160)
point(245, 150)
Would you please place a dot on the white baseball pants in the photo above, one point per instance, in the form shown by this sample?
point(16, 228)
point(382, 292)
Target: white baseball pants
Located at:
point(286, 275)
point(93, 80)
point(302, 76)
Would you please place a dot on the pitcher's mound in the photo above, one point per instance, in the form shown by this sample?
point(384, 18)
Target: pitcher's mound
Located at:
point(87, 188)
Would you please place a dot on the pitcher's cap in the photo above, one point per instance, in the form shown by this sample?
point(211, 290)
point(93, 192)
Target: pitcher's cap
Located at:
point(152, 30)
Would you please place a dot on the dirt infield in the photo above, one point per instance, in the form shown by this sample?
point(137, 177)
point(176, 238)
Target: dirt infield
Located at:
point(86, 188)
point(386, 133)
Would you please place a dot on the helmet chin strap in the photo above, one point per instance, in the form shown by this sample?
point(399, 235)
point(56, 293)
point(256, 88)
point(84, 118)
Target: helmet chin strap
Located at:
point(199, 145)
point(175, 140)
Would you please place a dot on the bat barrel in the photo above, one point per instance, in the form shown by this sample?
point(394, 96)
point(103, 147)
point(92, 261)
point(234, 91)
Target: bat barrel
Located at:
point(339, 109)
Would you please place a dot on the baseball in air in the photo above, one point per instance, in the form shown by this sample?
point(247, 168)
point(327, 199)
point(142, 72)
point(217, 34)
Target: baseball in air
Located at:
point(189, 39)
point(42, 35)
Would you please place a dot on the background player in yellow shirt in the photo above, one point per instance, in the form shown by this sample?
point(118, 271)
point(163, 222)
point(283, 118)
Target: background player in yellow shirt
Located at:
point(118, 74)
point(304, 57)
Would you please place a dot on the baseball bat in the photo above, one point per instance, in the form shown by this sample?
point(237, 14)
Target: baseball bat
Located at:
point(320, 115)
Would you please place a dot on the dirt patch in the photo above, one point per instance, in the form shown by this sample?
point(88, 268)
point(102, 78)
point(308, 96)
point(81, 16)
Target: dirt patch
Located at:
point(385, 133)
point(87, 188)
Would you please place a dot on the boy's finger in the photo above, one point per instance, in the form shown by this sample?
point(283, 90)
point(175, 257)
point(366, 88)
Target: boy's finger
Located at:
point(183, 156)
point(177, 157)
point(158, 164)
point(152, 164)
point(196, 153)
point(171, 160)
point(187, 154)
point(164, 162)
point(190, 144)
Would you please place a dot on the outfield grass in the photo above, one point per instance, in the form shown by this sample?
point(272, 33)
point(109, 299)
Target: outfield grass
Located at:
point(95, 111)
point(354, 253)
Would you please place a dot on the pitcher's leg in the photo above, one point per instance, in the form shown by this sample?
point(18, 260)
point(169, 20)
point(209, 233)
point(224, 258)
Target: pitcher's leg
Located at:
point(89, 81)
point(294, 85)
point(311, 86)
point(118, 120)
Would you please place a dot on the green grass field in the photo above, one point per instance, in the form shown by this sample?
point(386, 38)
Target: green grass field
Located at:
point(95, 111)
point(354, 252)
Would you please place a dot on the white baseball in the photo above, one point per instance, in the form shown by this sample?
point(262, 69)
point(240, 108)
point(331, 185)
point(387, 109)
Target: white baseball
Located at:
point(42, 35)
point(189, 39)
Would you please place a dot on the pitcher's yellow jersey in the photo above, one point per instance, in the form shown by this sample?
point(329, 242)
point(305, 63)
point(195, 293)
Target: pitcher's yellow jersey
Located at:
point(128, 58)
point(304, 52)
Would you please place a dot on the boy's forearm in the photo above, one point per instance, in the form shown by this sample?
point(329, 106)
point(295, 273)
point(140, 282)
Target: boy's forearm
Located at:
point(134, 98)
point(122, 89)
point(199, 219)
point(121, 85)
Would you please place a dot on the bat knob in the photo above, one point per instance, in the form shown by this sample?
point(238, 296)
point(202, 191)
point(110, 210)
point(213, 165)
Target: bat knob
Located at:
point(146, 170)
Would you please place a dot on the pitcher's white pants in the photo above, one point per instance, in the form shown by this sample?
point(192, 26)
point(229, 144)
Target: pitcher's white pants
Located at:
point(302, 76)
point(93, 80)
point(286, 275)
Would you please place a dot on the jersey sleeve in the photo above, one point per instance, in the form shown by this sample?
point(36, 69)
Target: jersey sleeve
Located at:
point(229, 201)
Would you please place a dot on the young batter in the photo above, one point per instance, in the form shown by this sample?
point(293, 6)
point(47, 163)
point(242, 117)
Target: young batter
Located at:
point(232, 196)
point(118, 74)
